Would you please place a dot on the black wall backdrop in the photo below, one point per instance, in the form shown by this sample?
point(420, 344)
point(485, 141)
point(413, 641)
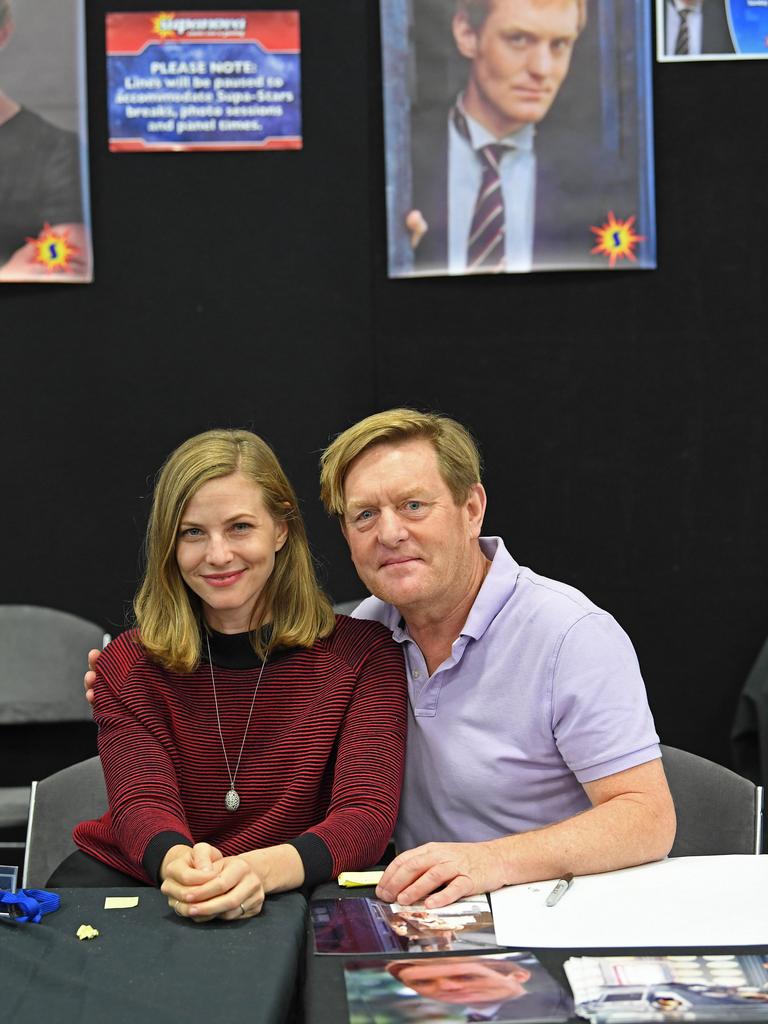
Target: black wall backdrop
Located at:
point(622, 416)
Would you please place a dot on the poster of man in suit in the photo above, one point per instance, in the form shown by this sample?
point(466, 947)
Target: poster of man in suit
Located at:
point(518, 135)
point(694, 30)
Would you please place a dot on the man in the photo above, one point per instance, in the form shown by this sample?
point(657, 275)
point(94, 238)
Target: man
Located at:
point(487, 988)
point(693, 27)
point(485, 198)
point(531, 749)
point(39, 187)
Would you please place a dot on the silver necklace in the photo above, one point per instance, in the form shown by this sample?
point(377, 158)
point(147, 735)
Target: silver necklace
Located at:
point(232, 799)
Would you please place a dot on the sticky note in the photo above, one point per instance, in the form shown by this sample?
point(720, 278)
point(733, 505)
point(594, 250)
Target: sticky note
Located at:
point(120, 902)
point(352, 878)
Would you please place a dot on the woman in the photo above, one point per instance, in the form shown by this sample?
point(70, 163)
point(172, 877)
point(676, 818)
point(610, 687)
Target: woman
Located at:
point(251, 741)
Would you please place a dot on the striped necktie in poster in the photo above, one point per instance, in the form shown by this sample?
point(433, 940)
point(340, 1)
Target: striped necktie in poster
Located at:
point(682, 43)
point(485, 249)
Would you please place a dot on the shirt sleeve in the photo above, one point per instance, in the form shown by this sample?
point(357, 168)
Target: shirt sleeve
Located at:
point(139, 772)
point(600, 716)
point(368, 773)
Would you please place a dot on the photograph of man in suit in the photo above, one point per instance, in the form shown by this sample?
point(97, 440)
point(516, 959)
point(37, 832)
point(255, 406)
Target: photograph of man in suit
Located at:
point(485, 989)
point(693, 27)
point(483, 198)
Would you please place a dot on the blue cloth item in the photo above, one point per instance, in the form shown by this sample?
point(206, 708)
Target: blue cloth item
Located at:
point(31, 904)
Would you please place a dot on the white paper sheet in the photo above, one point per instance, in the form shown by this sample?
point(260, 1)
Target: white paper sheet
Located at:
point(684, 901)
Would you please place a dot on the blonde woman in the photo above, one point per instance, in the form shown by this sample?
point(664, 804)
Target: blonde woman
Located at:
point(252, 742)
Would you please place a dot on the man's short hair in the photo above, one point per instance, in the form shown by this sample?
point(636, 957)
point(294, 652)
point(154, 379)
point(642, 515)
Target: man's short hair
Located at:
point(396, 967)
point(458, 457)
point(476, 11)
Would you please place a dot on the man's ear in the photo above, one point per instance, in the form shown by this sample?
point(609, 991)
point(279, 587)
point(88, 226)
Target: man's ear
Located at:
point(475, 506)
point(464, 36)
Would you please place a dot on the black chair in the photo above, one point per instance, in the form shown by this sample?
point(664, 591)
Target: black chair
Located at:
point(57, 804)
point(44, 721)
point(718, 811)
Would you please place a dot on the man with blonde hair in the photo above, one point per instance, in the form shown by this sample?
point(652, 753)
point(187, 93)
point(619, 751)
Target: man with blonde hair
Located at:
point(531, 748)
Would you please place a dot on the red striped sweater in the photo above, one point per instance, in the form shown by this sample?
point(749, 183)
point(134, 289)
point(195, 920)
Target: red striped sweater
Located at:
point(322, 763)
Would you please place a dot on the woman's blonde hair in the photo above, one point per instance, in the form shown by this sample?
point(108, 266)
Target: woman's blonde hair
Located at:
point(168, 614)
point(458, 458)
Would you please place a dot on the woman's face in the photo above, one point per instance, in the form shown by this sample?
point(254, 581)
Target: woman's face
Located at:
point(226, 549)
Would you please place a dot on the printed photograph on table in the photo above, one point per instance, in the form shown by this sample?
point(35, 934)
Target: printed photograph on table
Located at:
point(617, 989)
point(203, 80)
point(518, 136)
point(495, 987)
point(370, 926)
point(695, 30)
point(45, 234)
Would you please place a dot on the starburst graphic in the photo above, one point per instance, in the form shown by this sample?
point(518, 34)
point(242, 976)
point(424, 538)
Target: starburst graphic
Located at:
point(616, 239)
point(52, 249)
point(159, 20)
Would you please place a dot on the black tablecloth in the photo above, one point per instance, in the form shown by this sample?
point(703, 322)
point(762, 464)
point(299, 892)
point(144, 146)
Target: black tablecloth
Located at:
point(149, 966)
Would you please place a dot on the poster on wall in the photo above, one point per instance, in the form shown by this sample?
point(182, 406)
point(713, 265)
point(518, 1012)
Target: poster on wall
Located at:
point(203, 80)
point(45, 234)
point(694, 30)
point(518, 136)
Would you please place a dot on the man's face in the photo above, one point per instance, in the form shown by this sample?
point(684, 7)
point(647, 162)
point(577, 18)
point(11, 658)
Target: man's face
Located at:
point(520, 57)
point(412, 545)
point(466, 982)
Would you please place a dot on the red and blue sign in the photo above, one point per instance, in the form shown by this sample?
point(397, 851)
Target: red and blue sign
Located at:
point(203, 80)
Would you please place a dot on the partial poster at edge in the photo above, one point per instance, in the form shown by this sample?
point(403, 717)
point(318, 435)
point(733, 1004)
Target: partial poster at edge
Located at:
point(45, 234)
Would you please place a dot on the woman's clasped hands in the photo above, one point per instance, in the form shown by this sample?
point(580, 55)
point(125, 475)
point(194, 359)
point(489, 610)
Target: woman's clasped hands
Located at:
point(202, 884)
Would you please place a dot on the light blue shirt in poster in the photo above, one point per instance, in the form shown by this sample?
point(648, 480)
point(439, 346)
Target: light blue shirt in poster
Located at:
point(518, 188)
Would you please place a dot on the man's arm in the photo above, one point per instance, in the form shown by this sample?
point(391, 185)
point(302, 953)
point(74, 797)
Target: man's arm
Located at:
point(631, 821)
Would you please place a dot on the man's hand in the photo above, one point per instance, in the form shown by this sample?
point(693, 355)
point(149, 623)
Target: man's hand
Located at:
point(202, 884)
point(90, 676)
point(631, 821)
point(416, 226)
point(463, 868)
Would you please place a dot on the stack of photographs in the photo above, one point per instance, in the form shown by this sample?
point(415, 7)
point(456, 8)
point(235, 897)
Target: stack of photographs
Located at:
point(408, 985)
point(624, 989)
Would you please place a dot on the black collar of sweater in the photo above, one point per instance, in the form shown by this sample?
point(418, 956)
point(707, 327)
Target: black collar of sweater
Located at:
point(234, 650)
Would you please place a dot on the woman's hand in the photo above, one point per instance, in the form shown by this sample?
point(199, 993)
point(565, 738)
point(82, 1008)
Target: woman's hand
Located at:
point(202, 884)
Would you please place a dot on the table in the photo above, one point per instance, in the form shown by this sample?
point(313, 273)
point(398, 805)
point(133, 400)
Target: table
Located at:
point(150, 965)
point(325, 1000)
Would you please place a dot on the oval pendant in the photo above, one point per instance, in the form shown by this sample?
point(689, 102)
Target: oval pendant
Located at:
point(231, 800)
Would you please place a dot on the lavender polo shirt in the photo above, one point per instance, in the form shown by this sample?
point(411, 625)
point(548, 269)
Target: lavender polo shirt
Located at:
point(542, 691)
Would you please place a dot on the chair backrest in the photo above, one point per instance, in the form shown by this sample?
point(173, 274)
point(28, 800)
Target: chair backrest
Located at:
point(718, 811)
point(42, 660)
point(58, 803)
